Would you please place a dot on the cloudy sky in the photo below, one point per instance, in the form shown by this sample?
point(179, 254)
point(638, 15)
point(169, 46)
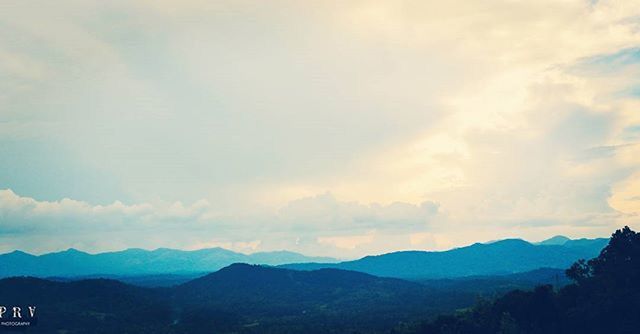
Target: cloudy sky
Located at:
point(337, 128)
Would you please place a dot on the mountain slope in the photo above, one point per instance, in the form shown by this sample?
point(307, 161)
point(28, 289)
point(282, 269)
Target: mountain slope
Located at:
point(500, 257)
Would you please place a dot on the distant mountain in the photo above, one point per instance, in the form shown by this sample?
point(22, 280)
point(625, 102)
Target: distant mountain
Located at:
point(599, 243)
point(557, 240)
point(135, 262)
point(163, 267)
point(500, 257)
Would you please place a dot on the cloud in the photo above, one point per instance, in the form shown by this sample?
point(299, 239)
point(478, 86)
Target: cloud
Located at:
point(325, 213)
point(284, 123)
point(347, 242)
point(25, 214)
point(33, 225)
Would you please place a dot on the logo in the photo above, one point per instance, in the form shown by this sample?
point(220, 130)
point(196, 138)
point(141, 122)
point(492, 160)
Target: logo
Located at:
point(17, 316)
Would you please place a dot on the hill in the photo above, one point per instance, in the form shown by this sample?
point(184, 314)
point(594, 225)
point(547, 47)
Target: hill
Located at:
point(321, 301)
point(240, 285)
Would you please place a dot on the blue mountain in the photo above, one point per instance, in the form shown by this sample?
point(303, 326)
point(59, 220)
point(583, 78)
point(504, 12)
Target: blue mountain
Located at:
point(135, 262)
point(496, 258)
point(557, 240)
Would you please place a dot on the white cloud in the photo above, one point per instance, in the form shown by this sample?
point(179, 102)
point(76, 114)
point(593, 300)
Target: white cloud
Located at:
point(319, 221)
point(325, 213)
point(348, 242)
point(27, 214)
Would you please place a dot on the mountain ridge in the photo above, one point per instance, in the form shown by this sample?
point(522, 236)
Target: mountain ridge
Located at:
point(135, 261)
point(500, 257)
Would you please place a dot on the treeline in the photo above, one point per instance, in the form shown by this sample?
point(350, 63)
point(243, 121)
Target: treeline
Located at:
point(603, 298)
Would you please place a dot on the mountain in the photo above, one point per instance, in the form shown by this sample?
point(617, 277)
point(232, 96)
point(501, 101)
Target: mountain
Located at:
point(163, 266)
point(604, 298)
point(135, 262)
point(500, 257)
point(557, 240)
point(254, 288)
point(598, 243)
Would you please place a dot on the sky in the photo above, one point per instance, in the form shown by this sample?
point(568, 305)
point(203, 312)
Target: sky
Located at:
point(334, 128)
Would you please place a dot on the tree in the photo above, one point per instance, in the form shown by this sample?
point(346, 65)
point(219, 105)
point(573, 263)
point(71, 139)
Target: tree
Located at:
point(579, 271)
point(604, 299)
point(617, 266)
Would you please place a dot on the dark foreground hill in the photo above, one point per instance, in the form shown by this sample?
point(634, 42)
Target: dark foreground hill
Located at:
point(322, 301)
point(88, 306)
point(500, 257)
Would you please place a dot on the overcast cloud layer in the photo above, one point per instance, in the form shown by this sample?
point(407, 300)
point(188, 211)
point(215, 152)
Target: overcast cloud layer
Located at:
point(337, 128)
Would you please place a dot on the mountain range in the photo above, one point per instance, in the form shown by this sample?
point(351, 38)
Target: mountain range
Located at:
point(136, 262)
point(169, 266)
point(496, 258)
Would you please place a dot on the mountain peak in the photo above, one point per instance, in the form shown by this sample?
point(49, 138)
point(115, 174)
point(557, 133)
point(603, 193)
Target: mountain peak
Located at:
point(74, 251)
point(240, 267)
point(18, 253)
point(556, 240)
point(509, 242)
